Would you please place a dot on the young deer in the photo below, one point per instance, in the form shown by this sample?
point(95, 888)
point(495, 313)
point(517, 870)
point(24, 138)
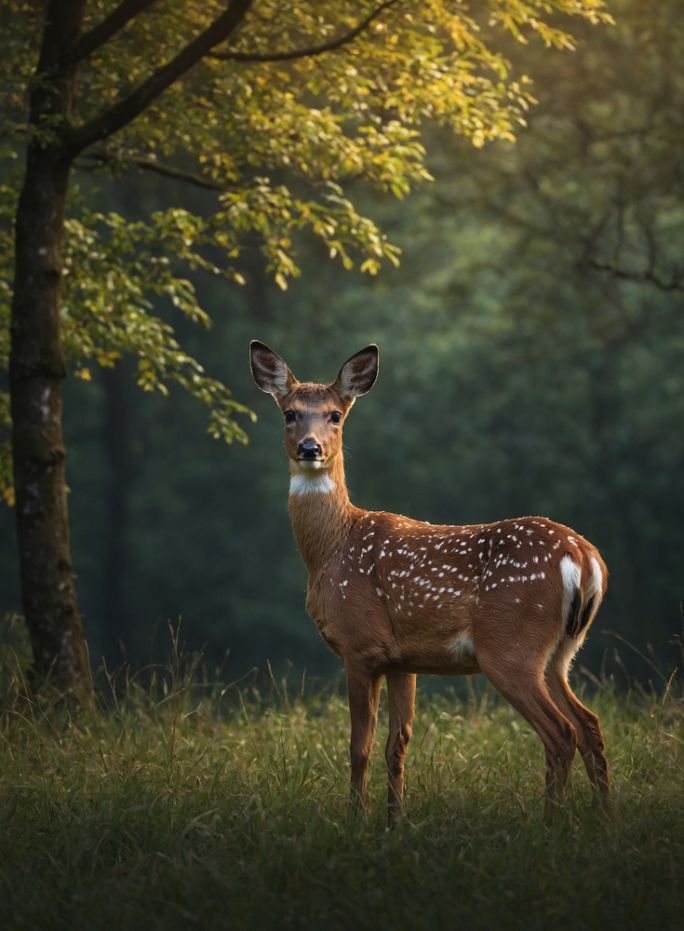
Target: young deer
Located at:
point(393, 597)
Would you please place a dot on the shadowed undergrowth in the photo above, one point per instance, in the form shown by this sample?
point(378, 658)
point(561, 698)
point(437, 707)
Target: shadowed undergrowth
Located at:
point(227, 811)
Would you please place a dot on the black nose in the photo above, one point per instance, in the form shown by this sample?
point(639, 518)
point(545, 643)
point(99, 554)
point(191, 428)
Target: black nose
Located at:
point(309, 449)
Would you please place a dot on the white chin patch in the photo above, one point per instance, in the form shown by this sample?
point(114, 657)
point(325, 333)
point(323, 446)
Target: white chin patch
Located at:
point(312, 483)
point(310, 465)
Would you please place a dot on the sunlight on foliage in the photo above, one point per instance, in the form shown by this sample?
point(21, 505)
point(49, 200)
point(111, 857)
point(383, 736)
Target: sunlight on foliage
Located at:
point(276, 144)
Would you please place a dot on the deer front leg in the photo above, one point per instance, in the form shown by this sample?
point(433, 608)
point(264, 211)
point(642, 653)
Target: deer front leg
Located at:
point(364, 692)
point(401, 694)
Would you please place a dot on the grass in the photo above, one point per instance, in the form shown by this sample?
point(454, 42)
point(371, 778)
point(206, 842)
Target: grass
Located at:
point(229, 810)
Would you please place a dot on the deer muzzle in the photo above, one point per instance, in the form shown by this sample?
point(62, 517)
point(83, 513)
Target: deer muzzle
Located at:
point(309, 450)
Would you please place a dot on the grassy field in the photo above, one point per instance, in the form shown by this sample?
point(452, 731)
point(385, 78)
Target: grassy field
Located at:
point(205, 810)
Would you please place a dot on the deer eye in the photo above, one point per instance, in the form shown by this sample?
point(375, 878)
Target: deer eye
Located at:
point(335, 417)
point(290, 416)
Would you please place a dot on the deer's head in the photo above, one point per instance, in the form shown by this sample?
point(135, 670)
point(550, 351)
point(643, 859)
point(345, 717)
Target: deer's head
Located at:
point(314, 414)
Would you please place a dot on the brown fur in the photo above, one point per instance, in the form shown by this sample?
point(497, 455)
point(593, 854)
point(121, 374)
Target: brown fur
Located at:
point(393, 596)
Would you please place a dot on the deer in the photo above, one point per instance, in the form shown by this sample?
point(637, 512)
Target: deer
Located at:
point(395, 597)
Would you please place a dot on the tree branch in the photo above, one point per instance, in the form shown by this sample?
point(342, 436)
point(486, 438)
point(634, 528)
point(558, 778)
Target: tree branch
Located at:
point(645, 277)
point(159, 168)
point(124, 111)
point(110, 25)
point(312, 50)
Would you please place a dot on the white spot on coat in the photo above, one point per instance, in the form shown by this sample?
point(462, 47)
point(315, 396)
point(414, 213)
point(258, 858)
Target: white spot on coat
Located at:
point(462, 645)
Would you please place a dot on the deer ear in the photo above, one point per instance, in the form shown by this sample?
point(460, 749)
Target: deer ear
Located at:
point(269, 371)
point(357, 375)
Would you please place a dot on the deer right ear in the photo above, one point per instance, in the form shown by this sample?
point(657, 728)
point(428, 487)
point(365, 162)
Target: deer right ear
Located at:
point(269, 371)
point(358, 374)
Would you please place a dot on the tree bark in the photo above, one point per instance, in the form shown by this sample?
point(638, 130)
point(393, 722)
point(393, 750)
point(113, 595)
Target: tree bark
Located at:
point(37, 370)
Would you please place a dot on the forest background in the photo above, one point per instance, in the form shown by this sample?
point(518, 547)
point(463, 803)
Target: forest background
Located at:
point(531, 344)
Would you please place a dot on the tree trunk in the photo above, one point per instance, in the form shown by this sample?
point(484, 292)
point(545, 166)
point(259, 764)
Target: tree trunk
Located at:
point(37, 370)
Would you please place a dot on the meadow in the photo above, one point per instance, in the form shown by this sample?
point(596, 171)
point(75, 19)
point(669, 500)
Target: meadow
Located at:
point(218, 806)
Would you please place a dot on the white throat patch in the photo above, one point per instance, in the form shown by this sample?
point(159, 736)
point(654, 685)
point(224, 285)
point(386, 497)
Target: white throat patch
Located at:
point(319, 483)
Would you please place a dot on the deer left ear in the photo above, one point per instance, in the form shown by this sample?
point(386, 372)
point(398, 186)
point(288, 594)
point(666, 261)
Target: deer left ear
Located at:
point(270, 371)
point(358, 374)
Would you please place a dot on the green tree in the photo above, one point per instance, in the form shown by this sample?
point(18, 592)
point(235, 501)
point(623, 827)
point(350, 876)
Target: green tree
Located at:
point(563, 253)
point(234, 98)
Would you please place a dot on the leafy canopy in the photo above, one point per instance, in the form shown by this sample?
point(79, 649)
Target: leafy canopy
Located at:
point(274, 125)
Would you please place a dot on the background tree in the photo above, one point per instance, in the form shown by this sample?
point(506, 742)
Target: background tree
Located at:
point(231, 98)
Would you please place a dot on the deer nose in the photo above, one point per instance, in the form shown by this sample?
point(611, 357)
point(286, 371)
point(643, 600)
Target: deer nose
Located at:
point(309, 449)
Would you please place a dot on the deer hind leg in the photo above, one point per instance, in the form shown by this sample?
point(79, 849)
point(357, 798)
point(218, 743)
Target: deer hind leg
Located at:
point(401, 695)
point(364, 693)
point(586, 723)
point(521, 682)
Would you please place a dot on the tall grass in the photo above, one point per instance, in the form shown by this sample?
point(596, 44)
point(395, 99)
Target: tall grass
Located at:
point(178, 805)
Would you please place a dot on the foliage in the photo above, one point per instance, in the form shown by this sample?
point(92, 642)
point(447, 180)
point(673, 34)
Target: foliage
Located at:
point(516, 377)
point(569, 271)
point(223, 808)
point(273, 140)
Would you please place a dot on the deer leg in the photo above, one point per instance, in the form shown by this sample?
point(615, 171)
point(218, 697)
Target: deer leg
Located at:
point(586, 723)
point(522, 684)
point(401, 695)
point(364, 693)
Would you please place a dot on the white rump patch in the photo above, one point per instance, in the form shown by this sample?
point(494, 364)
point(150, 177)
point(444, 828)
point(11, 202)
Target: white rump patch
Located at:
point(311, 484)
point(572, 575)
point(595, 586)
point(462, 646)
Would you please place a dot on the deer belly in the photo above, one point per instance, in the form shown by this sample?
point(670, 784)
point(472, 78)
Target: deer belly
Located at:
point(447, 651)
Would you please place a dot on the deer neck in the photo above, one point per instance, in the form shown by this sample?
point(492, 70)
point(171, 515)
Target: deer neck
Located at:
point(321, 512)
